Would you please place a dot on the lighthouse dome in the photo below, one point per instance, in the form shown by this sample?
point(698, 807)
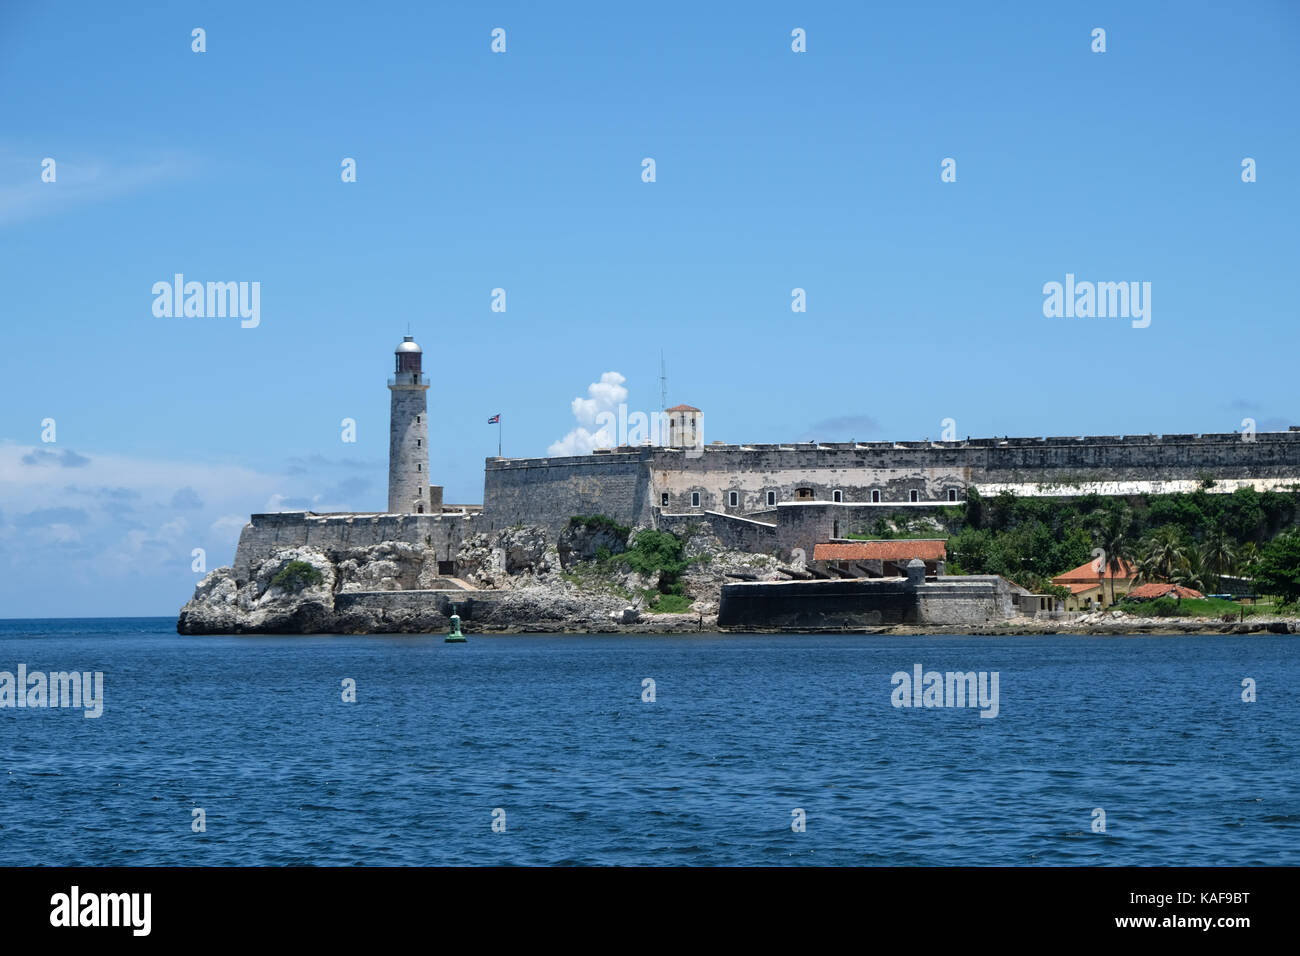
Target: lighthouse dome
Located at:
point(408, 345)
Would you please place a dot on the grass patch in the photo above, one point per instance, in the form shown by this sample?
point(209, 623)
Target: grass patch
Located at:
point(667, 603)
point(1194, 607)
point(594, 577)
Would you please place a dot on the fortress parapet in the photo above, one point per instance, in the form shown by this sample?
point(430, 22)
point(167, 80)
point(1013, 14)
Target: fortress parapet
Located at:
point(632, 485)
point(339, 532)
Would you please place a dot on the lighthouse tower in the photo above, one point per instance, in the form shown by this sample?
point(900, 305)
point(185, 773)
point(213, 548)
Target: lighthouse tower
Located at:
point(408, 435)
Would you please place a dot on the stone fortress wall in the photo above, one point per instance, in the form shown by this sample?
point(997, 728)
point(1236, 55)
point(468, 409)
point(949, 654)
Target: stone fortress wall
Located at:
point(735, 484)
point(337, 532)
point(781, 500)
point(635, 485)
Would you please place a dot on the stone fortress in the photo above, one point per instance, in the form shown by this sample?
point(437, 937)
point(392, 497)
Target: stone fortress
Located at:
point(769, 499)
point(763, 497)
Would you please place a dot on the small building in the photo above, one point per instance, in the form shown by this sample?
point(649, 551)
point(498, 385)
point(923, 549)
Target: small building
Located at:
point(880, 558)
point(1090, 584)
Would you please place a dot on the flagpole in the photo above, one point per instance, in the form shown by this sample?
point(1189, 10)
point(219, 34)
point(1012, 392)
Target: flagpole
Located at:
point(498, 436)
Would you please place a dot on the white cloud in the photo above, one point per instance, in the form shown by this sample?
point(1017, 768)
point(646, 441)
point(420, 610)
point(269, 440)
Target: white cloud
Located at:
point(604, 396)
point(228, 527)
point(87, 532)
point(91, 518)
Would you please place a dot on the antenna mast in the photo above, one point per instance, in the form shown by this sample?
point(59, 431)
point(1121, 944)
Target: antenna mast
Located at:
point(663, 383)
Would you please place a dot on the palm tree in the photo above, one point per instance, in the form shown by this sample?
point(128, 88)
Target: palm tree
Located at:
point(1165, 552)
point(1147, 570)
point(1248, 561)
point(1191, 573)
point(1219, 554)
point(1113, 534)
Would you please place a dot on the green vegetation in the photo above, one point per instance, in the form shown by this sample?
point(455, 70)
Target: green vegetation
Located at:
point(599, 523)
point(1193, 539)
point(657, 553)
point(1187, 607)
point(667, 603)
point(1277, 568)
point(295, 576)
point(594, 575)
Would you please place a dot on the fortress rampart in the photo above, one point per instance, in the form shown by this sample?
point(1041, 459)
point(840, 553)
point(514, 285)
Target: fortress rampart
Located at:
point(339, 532)
point(633, 485)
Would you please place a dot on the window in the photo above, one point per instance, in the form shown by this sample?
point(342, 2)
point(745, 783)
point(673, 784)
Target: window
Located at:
point(663, 500)
point(875, 496)
point(914, 495)
point(695, 499)
point(804, 494)
point(417, 443)
point(417, 466)
point(418, 491)
point(835, 530)
point(952, 494)
point(837, 495)
point(417, 419)
point(771, 497)
point(733, 499)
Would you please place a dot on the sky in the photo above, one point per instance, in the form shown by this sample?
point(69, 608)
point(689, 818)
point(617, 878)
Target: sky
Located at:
point(523, 170)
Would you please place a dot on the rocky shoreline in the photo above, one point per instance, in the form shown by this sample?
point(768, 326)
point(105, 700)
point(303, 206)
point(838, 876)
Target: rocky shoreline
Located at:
point(514, 581)
point(519, 581)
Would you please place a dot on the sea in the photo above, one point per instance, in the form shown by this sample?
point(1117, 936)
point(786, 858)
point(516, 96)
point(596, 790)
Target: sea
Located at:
point(699, 750)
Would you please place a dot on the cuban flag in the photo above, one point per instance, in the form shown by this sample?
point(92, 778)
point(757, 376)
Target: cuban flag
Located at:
point(495, 419)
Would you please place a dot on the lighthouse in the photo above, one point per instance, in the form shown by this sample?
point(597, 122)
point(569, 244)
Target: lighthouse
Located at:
point(408, 434)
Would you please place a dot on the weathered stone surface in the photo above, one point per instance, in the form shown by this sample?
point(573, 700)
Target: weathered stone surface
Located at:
point(580, 542)
point(524, 549)
point(394, 586)
point(628, 484)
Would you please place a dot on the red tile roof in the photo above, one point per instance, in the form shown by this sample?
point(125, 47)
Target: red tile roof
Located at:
point(683, 408)
point(1089, 572)
point(927, 549)
point(1079, 587)
point(1151, 591)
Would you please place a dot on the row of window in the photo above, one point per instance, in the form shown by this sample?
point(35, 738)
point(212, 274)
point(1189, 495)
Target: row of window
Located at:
point(733, 497)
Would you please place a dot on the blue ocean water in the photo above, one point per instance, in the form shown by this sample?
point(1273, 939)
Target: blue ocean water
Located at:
point(553, 731)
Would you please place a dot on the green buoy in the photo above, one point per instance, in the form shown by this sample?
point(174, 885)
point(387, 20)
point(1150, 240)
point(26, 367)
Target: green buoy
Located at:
point(455, 637)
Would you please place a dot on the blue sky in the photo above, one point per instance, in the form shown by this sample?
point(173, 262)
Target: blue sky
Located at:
point(522, 170)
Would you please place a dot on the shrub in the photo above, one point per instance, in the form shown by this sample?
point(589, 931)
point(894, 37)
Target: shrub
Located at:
point(598, 523)
point(1161, 607)
point(657, 552)
point(1278, 571)
point(295, 576)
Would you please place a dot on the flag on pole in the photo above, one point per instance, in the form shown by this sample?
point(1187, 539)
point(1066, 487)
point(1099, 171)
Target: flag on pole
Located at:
point(494, 420)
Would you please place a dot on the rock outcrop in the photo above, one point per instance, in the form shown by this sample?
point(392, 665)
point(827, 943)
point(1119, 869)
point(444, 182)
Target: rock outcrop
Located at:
point(223, 605)
point(514, 580)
